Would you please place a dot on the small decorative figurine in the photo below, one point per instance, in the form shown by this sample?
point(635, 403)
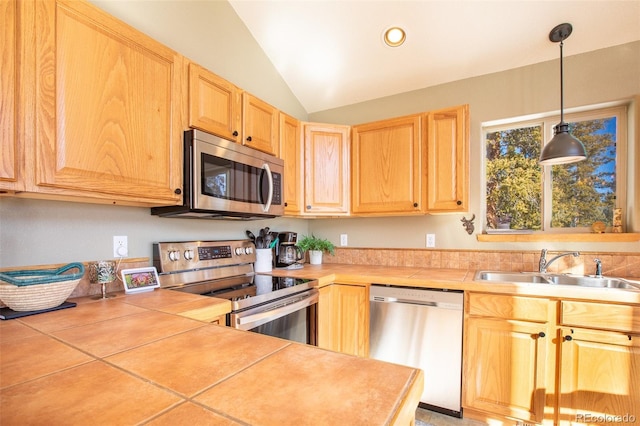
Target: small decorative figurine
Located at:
point(598, 227)
point(468, 224)
point(617, 220)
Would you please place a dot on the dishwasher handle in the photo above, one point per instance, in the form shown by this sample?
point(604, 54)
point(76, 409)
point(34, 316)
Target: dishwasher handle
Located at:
point(384, 299)
point(426, 303)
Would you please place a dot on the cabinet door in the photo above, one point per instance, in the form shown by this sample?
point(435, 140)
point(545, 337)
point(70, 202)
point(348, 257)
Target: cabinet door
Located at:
point(291, 153)
point(600, 377)
point(387, 167)
point(328, 332)
point(326, 169)
point(260, 125)
point(343, 319)
point(215, 105)
point(447, 136)
point(110, 108)
point(10, 149)
point(504, 367)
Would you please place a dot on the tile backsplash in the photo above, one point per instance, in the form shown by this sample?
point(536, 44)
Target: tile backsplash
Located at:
point(87, 288)
point(613, 264)
point(626, 265)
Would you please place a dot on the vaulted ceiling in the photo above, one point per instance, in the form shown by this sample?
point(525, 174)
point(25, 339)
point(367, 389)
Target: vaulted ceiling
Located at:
point(331, 52)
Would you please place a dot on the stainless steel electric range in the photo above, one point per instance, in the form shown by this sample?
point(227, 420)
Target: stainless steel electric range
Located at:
point(283, 307)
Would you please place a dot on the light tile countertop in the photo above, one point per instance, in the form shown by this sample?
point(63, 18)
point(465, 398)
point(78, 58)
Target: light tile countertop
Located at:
point(153, 358)
point(144, 359)
point(452, 279)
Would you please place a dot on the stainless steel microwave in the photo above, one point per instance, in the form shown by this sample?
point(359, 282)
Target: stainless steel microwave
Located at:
point(225, 180)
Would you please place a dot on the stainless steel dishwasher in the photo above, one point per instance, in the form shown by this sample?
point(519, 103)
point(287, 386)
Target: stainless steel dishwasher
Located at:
point(421, 328)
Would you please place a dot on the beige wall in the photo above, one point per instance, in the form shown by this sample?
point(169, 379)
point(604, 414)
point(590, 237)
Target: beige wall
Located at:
point(597, 77)
point(41, 232)
point(36, 232)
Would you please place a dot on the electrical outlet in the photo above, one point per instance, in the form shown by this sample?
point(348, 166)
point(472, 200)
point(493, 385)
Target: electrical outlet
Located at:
point(431, 240)
point(343, 240)
point(120, 246)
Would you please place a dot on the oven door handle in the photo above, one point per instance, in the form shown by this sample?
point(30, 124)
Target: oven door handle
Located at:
point(246, 322)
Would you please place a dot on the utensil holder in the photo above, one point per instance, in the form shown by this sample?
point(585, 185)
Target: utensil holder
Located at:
point(264, 260)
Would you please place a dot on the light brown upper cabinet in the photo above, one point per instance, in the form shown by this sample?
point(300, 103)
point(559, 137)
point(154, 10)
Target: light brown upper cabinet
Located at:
point(110, 109)
point(260, 122)
point(326, 169)
point(291, 153)
point(10, 150)
point(215, 105)
point(387, 167)
point(219, 107)
point(447, 139)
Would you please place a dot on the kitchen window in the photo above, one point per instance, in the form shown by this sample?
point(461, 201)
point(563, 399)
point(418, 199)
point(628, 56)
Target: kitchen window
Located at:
point(523, 196)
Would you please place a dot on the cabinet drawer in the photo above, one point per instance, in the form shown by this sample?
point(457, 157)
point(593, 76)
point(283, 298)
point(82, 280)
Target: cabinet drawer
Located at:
point(508, 307)
point(604, 316)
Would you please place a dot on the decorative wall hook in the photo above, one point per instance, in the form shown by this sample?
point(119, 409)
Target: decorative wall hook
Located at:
point(468, 224)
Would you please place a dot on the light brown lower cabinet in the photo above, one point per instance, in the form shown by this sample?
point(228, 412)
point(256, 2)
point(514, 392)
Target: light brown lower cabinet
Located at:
point(600, 380)
point(599, 377)
point(343, 319)
point(505, 358)
point(544, 361)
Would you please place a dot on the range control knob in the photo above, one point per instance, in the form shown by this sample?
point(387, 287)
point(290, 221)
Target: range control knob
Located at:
point(248, 250)
point(239, 251)
point(188, 254)
point(174, 255)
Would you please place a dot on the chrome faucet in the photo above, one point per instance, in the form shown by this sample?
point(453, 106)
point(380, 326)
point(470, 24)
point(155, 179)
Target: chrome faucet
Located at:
point(543, 264)
point(598, 268)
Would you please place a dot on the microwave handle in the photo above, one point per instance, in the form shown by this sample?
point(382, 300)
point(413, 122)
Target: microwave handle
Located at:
point(267, 205)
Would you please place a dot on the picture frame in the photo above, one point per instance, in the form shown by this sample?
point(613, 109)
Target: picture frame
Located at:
point(138, 280)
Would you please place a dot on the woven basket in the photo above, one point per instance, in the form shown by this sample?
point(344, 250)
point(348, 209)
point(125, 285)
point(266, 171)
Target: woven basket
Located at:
point(35, 290)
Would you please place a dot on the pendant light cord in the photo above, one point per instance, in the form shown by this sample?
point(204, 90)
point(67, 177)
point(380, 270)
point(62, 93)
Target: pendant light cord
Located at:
point(561, 85)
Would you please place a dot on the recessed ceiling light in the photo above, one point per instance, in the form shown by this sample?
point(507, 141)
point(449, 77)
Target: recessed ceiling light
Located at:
point(394, 36)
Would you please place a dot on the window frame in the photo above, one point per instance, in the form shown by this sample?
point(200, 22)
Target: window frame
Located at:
point(547, 122)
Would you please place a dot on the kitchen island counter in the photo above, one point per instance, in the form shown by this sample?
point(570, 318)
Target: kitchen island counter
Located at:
point(144, 359)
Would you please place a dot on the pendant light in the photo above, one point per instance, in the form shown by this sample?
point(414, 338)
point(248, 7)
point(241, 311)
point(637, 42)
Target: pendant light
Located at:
point(563, 148)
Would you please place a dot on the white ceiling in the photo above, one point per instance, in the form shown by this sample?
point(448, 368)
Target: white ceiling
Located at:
point(331, 53)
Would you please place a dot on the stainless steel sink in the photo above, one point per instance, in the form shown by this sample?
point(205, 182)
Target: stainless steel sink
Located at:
point(511, 277)
point(588, 281)
point(555, 279)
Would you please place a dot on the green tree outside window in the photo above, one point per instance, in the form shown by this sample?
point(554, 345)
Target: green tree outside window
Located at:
point(581, 193)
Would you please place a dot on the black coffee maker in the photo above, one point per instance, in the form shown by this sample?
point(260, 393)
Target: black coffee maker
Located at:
point(286, 251)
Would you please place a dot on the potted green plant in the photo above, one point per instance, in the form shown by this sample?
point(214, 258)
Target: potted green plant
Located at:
point(315, 246)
